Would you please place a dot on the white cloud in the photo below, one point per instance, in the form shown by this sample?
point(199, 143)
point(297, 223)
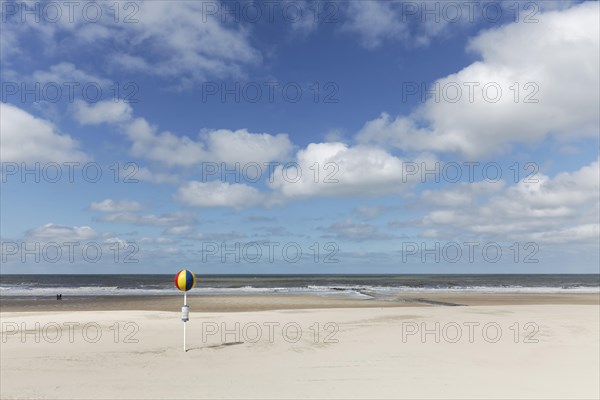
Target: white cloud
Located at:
point(461, 194)
point(221, 145)
point(170, 219)
point(245, 147)
point(342, 170)
point(182, 43)
point(375, 21)
point(109, 205)
point(214, 146)
point(180, 230)
point(369, 211)
point(156, 240)
point(589, 233)
point(60, 233)
point(321, 169)
point(418, 23)
point(55, 245)
point(190, 44)
point(9, 44)
point(304, 21)
point(356, 231)
point(165, 147)
point(26, 138)
point(219, 194)
point(218, 146)
point(537, 53)
point(102, 112)
point(67, 72)
point(145, 174)
point(567, 194)
point(549, 210)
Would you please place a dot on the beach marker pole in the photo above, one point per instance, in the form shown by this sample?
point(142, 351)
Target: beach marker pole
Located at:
point(184, 318)
point(184, 281)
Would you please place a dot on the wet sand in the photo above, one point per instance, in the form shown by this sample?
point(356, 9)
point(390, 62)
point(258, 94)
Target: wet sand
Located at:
point(244, 303)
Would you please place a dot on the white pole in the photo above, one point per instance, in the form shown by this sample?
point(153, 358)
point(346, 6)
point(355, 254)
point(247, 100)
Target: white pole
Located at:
point(184, 324)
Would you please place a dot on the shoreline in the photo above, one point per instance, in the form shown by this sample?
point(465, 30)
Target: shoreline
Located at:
point(266, 302)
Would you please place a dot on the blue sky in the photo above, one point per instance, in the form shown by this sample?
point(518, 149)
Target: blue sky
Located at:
point(203, 89)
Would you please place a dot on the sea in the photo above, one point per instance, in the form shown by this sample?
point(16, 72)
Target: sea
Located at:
point(357, 286)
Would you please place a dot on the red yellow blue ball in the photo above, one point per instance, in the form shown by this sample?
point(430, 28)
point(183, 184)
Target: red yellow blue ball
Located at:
point(185, 280)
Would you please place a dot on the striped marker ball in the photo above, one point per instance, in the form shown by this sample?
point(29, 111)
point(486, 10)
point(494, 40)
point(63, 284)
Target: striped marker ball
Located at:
point(185, 280)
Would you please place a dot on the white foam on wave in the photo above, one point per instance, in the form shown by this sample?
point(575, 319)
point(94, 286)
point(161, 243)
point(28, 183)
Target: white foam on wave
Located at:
point(357, 291)
point(83, 291)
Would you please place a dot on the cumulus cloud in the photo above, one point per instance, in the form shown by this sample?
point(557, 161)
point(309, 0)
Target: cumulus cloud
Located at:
point(374, 22)
point(145, 174)
point(535, 56)
point(461, 194)
point(56, 246)
point(336, 169)
point(321, 169)
point(102, 112)
point(565, 207)
point(245, 147)
point(221, 145)
point(110, 205)
point(191, 45)
point(165, 147)
point(26, 138)
point(67, 72)
point(419, 23)
point(219, 194)
point(61, 233)
point(185, 43)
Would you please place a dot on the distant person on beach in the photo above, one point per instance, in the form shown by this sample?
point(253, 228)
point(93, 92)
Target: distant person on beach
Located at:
point(59, 297)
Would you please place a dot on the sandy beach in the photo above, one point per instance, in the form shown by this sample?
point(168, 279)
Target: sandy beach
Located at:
point(512, 346)
point(238, 199)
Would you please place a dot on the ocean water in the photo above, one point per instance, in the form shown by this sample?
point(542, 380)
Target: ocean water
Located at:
point(359, 286)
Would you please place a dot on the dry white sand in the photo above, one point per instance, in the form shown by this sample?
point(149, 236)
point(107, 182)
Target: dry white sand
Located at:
point(378, 354)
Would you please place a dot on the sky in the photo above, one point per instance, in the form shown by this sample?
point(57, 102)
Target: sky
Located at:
point(300, 137)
